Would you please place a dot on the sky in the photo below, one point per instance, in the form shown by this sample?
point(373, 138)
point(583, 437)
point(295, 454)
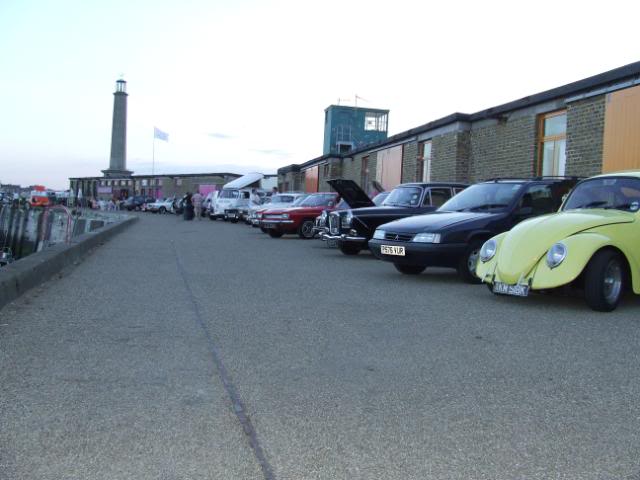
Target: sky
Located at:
point(241, 85)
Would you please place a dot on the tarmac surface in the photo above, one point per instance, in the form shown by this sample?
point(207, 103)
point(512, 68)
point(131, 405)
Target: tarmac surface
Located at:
point(207, 350)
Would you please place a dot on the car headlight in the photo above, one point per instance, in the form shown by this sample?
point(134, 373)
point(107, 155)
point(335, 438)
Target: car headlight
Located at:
point(379, 234)
point(488, 250)
point(323, 215)
point(345, 221)
point(427, 238)
point(285, 215)
point(556, 254)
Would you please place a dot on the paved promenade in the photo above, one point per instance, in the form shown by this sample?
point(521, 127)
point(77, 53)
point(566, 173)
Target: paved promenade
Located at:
point(206, 350)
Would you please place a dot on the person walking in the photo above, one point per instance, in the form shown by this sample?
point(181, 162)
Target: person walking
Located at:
point(197, 199)
point(188, 207)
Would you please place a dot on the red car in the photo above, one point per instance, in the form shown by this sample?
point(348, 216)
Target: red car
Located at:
point(298, 220)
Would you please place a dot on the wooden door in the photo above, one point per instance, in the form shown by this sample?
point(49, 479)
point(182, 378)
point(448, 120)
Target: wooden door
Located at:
point(621, 150)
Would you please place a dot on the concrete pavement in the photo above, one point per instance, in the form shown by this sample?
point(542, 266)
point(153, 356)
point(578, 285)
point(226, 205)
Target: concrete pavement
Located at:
point(341, 367)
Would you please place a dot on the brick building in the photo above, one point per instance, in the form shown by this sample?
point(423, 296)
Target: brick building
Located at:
point(157, 186)
point(583, 128)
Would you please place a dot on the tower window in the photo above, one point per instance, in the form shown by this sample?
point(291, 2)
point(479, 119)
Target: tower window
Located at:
point(375, 121)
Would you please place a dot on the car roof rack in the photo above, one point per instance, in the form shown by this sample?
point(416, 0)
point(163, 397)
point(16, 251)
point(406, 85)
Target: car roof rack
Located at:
point(558, 177)
point(537, 177)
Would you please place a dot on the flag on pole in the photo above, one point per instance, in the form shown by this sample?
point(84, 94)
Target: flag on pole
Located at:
point(160, 135)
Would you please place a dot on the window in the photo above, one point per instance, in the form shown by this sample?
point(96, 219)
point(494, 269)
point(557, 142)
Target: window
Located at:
point(437, 196)
point(375, 121)
point(537, 200)
point(159, 182)
point(552, 145)
point(178, 182)
point(424, 161)
point(145, 182)
point(325, 171)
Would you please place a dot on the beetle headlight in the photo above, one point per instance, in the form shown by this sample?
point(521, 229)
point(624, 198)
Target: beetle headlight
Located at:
point(427, 238)
point(488, 250)
point(379, 234)
point(556, 254)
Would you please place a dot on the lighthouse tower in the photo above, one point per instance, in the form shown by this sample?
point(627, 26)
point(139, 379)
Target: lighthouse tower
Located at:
point(118, 159)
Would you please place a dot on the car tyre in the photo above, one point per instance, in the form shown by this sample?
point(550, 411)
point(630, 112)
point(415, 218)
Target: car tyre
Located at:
point(212, 218)
point(349, 249)
point(275, 233)
point(604, 281)
point(468, 261)
point(234, 220)
point(409, 269)
point(305, 230)
point(264, 230)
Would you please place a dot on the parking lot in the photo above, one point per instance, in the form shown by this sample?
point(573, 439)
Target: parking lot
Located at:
point(210, 350)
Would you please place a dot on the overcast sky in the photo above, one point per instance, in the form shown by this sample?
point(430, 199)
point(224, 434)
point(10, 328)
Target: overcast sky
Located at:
point(242, 85)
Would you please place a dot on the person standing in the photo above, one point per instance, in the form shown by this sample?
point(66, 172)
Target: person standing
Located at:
point(274, 191)
point(197, 199)
point(255, 198)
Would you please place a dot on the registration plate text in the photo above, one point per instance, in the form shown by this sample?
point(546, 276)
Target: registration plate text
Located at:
point(515, 290)
point(392, 250)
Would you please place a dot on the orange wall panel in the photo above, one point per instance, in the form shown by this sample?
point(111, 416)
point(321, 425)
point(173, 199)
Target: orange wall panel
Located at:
point(621, 150)
point(389, 167)
point(311, 179)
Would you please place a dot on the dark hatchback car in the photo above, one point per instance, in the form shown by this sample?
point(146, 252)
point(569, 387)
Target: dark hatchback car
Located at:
point(452, 235)
point(352, 229)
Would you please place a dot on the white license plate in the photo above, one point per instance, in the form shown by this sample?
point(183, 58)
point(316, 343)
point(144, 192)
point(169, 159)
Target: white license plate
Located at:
point(392, 250)
point(515, 290)
point(268, 225)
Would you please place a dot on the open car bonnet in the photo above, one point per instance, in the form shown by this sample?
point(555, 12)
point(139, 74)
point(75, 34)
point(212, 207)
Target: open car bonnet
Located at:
point(351, 192)
point(526, 243)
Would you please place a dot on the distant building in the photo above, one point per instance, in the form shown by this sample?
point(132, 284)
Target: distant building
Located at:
point(349, 128)
point(118, 182)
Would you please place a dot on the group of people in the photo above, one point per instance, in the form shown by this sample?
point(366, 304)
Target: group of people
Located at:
point(193, 206)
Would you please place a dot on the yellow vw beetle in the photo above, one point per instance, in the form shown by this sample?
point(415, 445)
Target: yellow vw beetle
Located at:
point(593, 242)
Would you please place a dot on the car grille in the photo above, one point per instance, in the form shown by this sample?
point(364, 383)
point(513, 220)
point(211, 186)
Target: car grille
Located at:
point(272, 217)
point(398, 237)
point(334, 224)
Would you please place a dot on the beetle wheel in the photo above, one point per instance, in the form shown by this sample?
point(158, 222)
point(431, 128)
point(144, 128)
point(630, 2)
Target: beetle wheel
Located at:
point(604, 281)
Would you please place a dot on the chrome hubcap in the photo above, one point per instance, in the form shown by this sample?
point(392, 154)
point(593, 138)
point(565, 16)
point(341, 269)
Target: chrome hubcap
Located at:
point(306, 228)
point(612, 281)
point(472, 261)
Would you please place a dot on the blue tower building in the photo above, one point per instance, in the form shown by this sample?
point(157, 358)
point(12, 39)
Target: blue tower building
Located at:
point(349, 128)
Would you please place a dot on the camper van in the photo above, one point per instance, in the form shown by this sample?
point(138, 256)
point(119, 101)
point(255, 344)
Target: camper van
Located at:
point(235, 194)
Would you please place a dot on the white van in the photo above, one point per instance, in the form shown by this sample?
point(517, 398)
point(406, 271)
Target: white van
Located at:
point(235, 194)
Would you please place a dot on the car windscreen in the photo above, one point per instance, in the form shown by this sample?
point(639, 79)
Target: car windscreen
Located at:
point(316, 200)
point(282, 199)
point(380, 198)
point(404, 197)
point(611, 193)
point(229, 194)
point(483, 196)
point(299, 200)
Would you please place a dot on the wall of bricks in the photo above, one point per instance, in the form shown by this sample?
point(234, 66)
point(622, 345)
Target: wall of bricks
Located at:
point(291, 181)
point(585, 135)
point(503, 148)
point(410, 164)
point(450, 157)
